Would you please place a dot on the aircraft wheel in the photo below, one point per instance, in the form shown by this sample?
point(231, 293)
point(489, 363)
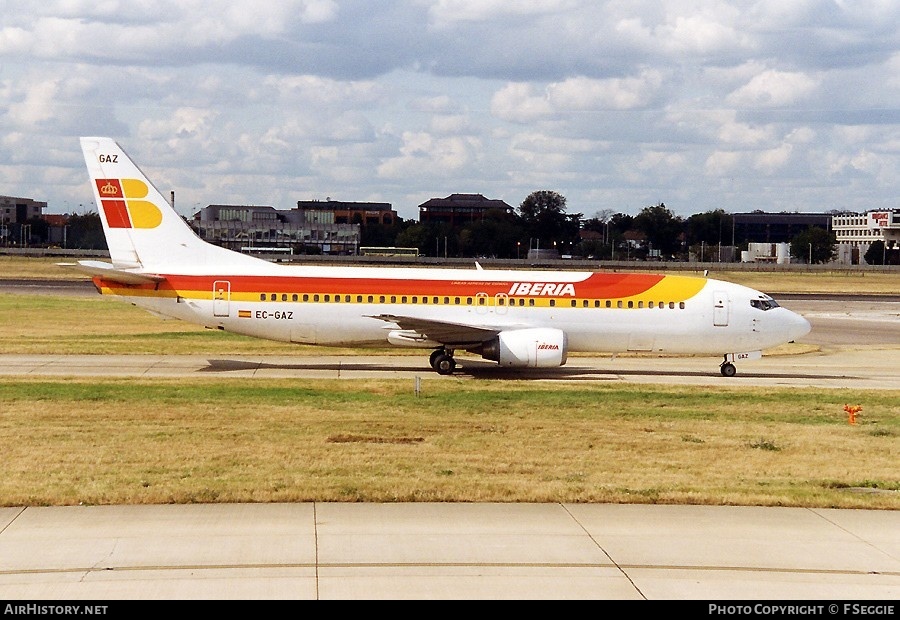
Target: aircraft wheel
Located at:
point(728, 369)
point(434, 357)
point(444, 364)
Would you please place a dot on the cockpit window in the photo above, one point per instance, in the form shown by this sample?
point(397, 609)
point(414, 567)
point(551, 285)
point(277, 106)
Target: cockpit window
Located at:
point(764, 304)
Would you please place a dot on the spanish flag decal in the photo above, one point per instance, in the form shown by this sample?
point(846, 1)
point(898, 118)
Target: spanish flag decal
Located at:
point(123, 206)
point(243, 314)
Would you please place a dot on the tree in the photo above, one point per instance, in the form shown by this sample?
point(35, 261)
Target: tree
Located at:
point(875, 254)
point(709, 227)
point(495, 235)
point(86, 232)
point(543, 215)
point(661, 227)
point(379, 234)
point(814, 243)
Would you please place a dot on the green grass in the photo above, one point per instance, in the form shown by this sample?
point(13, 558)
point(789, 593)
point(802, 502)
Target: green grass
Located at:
point(71, 441)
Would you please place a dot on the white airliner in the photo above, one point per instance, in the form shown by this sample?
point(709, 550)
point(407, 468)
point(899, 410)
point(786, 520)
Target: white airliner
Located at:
point(520, 319)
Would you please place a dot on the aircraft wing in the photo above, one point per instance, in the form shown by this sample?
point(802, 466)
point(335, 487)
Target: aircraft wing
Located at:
point(108, 272)
point(453, 334)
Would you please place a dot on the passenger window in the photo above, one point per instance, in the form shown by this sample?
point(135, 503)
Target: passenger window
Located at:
point(681, 305)
point(316, 297)
point(671, 305)
point(530, 302)
point(305, 297)
point(262, 296)
point(393, 299)
point(273, 297)
point(371, 298)
point(631, 304)
point(609, 303)
point(552, 303)
point(619, 304)
point(381, 299)
point(327, 298)
point(359, 299)
point(574, 303)
point(294, 297)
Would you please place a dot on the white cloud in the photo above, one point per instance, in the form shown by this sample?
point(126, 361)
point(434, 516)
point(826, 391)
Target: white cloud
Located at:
point(770, 161)
point(423, 153)
point(774, 88)
point(447, 12)
point(722, 163)
point(517, 103)
point(612, 100)
point(582, 93)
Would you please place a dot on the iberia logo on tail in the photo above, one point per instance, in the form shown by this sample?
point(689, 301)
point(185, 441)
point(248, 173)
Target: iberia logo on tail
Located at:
point(123, 206)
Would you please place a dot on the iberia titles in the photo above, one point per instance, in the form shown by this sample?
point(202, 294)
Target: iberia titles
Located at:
point(546, 289)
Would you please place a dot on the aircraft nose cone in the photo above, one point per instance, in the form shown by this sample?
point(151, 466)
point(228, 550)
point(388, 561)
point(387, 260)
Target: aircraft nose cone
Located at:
point(799, 326)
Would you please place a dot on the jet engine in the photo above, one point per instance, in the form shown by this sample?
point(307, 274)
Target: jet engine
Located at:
point(538, 347)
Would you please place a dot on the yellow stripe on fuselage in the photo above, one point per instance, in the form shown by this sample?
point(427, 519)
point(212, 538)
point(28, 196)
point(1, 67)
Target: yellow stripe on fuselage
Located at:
point(675, 289)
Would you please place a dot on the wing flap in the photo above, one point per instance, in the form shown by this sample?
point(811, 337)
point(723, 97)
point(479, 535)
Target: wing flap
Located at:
point(447, 333)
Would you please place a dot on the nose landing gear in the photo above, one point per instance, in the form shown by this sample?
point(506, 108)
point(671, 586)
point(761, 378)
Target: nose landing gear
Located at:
point(727, 368)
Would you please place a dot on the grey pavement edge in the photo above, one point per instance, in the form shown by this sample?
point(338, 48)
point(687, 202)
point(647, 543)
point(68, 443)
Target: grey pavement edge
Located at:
point(346, 551)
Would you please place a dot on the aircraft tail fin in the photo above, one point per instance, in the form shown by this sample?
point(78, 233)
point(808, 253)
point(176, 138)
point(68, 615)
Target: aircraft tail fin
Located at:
point(142, 229)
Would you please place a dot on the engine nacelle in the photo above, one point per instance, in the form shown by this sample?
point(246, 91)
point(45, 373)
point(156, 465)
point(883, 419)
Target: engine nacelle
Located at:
point(538, 347)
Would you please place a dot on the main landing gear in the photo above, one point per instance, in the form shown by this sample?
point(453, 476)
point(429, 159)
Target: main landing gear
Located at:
point(727, 368)
point(442, 361)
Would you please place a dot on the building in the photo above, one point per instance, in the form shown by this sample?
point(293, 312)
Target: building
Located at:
point(15, 212)
point(855, 232)
point(254, 228)
point(340, 212)
point(761, 227)
point(460, 209)
point(778, 253)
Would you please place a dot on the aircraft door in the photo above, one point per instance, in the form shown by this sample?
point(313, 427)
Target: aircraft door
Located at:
point(221, 297)
point(501, 300)
point(721, 308)
point(481, 303)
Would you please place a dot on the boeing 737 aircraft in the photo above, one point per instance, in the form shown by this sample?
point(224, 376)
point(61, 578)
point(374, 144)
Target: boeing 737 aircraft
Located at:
point(520, 319)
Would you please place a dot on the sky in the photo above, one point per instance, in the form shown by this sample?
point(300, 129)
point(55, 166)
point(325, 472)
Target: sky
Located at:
point(772, 105)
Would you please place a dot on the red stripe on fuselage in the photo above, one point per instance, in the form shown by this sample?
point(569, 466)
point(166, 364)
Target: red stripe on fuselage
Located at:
point(597, 285)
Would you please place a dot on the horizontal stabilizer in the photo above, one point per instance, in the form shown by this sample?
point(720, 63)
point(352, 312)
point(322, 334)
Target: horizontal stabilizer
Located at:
point(109, 272)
